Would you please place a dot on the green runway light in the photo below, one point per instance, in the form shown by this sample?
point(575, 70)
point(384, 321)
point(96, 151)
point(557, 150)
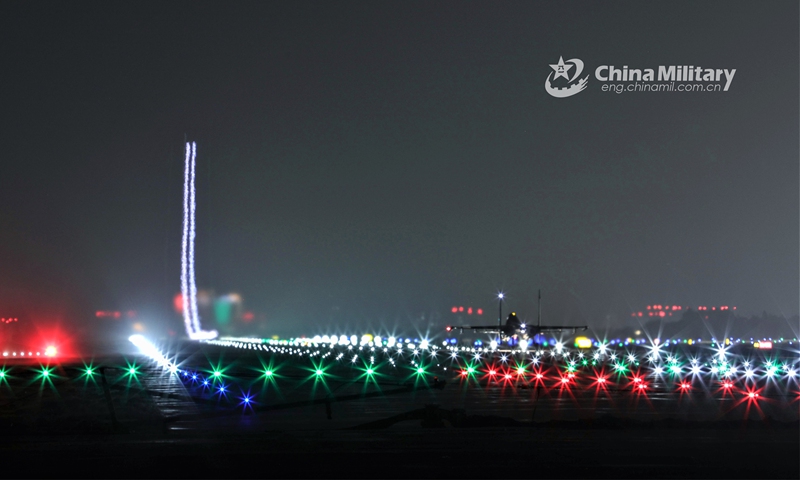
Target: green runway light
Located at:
point(319, 372)
point(420, 370)
point(267, 373)
point(370, 371)
point(44, 373)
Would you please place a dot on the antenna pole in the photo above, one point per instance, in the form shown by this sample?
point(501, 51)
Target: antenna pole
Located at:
point(500, 297)
point(539, 316)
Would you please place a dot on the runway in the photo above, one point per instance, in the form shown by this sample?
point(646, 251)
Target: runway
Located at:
point(392, 422)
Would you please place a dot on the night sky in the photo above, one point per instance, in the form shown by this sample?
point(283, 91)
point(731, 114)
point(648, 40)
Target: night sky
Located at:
point(373, 164)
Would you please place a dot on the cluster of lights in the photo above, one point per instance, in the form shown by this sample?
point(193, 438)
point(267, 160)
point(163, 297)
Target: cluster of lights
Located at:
point(637, 365)
point(49, 351)
point(602, 369)
point(468, 310)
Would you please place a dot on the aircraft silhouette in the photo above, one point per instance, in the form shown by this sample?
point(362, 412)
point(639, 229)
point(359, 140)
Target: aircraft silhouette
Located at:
point(515, 328)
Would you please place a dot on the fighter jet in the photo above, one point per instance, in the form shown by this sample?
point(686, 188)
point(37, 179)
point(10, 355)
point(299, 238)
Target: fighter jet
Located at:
point(514, 328)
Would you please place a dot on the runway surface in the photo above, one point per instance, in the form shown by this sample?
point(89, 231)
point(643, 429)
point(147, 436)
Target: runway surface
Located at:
point(392, 422)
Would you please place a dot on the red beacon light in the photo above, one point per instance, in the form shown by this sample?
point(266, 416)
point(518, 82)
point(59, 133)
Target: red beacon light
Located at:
point(448, 328)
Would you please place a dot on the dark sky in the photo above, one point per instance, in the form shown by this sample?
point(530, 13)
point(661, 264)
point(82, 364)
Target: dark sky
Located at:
point(371, 163)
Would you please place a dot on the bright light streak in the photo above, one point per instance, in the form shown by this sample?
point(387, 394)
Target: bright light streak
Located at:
point(192, 208)
point(191, 319)
point(187, 318)
point(147, 348)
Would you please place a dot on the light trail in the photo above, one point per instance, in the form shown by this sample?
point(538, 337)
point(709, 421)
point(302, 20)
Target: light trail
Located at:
point(187, 321)
point(191, 319)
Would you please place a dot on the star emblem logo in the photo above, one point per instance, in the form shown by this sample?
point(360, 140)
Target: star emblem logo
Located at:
point(561, 69)
point(575, 84)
